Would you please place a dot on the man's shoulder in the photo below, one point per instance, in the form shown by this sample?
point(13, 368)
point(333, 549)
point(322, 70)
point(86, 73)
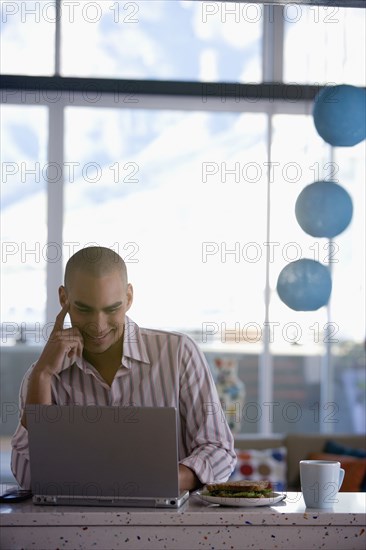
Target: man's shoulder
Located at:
point(163, 334)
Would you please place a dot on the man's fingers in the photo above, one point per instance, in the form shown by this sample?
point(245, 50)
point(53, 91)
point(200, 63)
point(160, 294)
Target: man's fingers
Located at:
point(77, 350)
point(68, 335)
point(80, 348)
point(74, 346)
point(59, 323)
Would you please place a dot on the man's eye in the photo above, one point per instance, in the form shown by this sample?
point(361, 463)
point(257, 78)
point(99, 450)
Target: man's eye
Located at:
point(82, 310)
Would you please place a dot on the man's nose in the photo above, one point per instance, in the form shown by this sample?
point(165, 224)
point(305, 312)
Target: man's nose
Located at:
point(98, 323)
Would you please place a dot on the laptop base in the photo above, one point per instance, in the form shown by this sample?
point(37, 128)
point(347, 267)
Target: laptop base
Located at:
point(131, 502)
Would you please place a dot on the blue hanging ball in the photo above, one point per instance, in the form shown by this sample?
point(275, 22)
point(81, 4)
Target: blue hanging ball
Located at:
point(323, 209)
point(304, 285)
point(340, 115)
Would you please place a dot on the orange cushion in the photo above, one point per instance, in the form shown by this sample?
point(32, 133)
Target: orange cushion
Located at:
point(355, 469)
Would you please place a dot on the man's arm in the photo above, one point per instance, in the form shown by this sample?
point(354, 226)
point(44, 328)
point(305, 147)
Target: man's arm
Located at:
point(61, 343)
point(188, 481)
point(207, 435)
point(36, 389)
point(19, 442)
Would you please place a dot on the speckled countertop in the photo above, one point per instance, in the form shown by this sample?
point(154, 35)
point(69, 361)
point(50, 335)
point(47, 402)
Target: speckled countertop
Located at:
point(349, 510)
point(196, 525)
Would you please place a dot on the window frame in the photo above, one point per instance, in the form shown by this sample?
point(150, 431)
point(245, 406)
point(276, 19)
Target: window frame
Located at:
point(271, 97)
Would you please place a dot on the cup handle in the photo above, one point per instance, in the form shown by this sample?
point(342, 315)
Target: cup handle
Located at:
point(341, 477)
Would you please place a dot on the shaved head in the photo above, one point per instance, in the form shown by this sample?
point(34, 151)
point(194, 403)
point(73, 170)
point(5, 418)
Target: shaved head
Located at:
point(96, 261)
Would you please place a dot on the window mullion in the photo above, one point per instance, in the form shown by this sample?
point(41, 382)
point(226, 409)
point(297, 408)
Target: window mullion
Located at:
point(55, 200)
point(273, 37)
point(58, 38)
point(272, 60)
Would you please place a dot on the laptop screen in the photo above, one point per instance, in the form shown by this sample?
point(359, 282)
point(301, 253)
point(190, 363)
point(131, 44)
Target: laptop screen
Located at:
point(103, 451)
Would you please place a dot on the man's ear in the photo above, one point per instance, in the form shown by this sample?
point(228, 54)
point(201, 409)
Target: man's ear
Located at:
point(129, 296)
point(62, 295)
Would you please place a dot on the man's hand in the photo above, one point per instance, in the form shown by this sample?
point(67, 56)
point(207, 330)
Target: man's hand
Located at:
point(188, 481)
point(61, 343)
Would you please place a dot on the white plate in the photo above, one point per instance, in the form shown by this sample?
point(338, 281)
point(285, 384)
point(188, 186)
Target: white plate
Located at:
point(248, 502)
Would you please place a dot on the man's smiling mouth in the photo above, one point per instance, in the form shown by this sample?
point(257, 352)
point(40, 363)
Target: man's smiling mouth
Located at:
point(97, 338)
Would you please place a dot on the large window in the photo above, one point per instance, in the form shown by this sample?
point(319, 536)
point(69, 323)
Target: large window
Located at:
point(198, 41)
point(180, 185)
point(335, 45)
point(28, 37)
point(24, 136)
point(159, 187)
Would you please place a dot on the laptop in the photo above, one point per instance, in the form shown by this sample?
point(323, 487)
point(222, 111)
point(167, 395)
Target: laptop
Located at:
point(104, 456)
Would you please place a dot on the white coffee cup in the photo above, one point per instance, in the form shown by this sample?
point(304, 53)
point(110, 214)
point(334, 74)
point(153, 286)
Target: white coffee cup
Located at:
point(320, 482)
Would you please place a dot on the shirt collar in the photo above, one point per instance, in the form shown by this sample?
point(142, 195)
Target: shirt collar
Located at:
point(74, 360)
point(133, 343)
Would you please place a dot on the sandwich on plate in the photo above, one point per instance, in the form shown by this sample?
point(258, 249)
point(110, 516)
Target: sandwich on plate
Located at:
point(240, 489)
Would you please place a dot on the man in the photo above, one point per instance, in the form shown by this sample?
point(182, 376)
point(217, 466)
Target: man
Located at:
point(106, 359)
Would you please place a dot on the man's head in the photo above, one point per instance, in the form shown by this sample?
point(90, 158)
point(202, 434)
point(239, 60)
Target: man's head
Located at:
point(97, 261)
point(99, 296)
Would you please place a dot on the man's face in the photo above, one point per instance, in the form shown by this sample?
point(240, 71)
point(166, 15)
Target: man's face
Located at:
point(97, 307)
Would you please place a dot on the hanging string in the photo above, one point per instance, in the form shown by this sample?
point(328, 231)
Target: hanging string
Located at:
point(307, 72)
point(325, 34)
point(345, 53)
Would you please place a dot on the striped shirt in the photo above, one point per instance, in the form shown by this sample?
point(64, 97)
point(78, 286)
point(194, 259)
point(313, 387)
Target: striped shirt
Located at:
point(159, 369)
